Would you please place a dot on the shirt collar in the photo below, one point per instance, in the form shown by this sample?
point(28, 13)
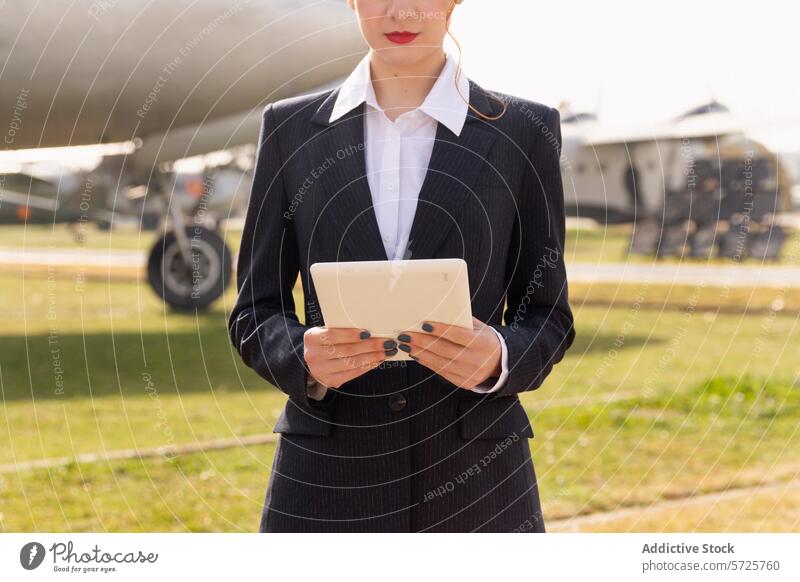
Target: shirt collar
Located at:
point(444, 102)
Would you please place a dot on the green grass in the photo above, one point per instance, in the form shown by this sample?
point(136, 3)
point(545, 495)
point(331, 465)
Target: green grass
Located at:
point(63, 236)
point(721, 433)
point(594, 458)
point(647, 405)
point(766, 510)
point(607, 244)
point(220, 491)
point(610, 244)
point(131, 374)
point(693, 297)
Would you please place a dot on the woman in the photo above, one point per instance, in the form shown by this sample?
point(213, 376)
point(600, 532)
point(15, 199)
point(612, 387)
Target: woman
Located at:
point(406, 159)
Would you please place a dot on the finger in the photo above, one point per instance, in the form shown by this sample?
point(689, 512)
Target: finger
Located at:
point(432, 343)
point(460, 380)
point(341, 377)
point(346, 350)
point(449, 375)
point(454, 333)
point(358, 362)
point(341, 335)
point(442, 365)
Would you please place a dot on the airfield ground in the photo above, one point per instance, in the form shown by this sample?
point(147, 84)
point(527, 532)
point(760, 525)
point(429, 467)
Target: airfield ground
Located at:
point(669, 413)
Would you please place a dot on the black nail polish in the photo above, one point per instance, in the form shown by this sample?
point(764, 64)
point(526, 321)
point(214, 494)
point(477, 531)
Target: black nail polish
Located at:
point(427, 326)
point(364, 334)
point(404, 347)
point(389, 344)
point(404, 337)
point(391, 352)
point(413, 357)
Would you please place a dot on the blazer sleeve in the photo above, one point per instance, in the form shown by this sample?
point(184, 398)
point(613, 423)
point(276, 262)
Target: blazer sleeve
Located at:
point(263, 325)
point(538, 322)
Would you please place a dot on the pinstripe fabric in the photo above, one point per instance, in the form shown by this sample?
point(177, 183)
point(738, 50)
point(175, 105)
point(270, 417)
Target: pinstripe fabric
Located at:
point(450, 459)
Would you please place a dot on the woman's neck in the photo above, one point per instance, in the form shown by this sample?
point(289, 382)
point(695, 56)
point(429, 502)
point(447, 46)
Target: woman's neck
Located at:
point(401, 89)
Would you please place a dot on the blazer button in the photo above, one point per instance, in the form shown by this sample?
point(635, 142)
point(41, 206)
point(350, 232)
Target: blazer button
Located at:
point(397, 402)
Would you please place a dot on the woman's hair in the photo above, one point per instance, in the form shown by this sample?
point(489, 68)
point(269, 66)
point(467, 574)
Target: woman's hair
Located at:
point(458, 72)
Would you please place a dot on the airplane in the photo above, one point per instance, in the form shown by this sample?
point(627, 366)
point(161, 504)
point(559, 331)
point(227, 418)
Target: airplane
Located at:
point(153, 83)
point(695, 185)
point(164, 81)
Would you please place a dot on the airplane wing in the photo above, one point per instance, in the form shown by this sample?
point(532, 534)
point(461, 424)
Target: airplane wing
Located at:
point(180, 142)
point(594, 133)
point(219, 134)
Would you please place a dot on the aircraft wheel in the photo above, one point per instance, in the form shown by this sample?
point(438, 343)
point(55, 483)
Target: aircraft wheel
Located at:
point(198, 284)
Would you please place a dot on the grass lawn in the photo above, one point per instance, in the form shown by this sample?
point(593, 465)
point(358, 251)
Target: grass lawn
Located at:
point(773, 509)
point(595, 459)
point(648, 405)
point(62, 236)
point(607, 244)
point(610, 244)
point(736, 300)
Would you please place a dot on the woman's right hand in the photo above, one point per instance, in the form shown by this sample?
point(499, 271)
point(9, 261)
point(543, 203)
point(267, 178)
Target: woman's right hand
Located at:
point(335, 355)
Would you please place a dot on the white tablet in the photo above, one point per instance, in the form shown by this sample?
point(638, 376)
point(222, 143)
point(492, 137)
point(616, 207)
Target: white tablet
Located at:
point(388, 297)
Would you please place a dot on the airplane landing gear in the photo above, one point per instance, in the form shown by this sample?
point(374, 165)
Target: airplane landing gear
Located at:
point(189, 268)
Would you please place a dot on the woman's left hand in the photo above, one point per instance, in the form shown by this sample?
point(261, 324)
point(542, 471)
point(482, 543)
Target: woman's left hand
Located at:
point(465, 357)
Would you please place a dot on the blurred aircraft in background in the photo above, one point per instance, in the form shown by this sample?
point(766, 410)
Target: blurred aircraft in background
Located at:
point(172, 80)
point(696, 185)
point(158, 83)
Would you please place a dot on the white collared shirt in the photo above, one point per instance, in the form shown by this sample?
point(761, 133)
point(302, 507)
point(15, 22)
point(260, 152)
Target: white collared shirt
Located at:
point(397, 154)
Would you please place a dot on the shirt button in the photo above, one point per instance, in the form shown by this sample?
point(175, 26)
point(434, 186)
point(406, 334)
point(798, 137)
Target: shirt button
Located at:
point(397, 402)
point(391, 186)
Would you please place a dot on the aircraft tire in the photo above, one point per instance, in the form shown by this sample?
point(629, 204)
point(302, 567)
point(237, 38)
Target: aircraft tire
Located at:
point(193, 287)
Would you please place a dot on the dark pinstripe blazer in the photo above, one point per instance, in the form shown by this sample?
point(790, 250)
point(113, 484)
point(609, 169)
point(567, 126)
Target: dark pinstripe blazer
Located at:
point(400, 448)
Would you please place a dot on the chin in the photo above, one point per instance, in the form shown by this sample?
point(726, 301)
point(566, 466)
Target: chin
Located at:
point(403, 56)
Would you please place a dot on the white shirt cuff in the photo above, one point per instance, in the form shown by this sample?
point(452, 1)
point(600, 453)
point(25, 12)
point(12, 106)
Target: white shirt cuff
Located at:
point(486, 388)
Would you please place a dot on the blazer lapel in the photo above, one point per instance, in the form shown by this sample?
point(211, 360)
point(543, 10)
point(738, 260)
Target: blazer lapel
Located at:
point(347, 199)
point(337, 152)
point(456, 162)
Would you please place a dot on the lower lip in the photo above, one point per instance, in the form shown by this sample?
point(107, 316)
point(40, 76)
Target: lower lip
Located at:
point(401, 38)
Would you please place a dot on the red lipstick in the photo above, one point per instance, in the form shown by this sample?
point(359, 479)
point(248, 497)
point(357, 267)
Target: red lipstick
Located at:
point(400, 37)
